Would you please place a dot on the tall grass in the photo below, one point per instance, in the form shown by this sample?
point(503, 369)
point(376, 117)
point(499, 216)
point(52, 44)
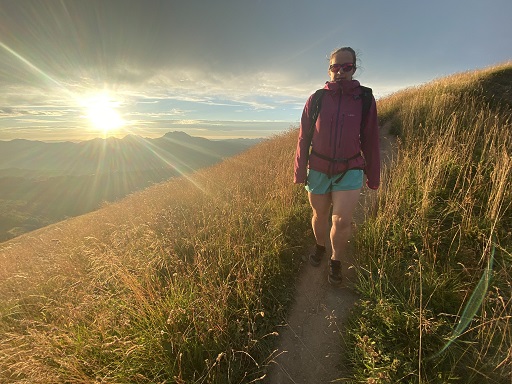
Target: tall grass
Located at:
point(445, 207)
point(182, 283)
point(186, 281)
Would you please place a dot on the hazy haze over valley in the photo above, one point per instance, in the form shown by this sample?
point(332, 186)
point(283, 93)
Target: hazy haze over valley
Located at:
point(41, 183)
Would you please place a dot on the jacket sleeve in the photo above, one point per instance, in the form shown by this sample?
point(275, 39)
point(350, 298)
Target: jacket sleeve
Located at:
point(302, 152)
point(371, 147)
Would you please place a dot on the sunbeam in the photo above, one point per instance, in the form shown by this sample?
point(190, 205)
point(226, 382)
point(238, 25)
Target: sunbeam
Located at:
point(31, 65)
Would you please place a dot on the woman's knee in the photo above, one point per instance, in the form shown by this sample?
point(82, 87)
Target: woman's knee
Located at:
point(341, 223)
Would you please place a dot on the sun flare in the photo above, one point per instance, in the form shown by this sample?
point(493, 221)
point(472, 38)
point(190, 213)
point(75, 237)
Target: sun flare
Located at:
point(101, 110)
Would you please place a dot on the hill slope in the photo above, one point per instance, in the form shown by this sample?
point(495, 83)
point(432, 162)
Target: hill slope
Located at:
point(43, 183)
point(180, 282)
point(188, 280)
point(435, 298)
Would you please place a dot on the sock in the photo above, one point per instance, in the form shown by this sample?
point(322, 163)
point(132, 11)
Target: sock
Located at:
point(320, 247)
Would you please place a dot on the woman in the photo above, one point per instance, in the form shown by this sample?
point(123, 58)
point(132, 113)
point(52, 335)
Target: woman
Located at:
point(344, 145)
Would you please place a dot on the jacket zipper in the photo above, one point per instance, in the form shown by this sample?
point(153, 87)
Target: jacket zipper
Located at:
point(331, 165)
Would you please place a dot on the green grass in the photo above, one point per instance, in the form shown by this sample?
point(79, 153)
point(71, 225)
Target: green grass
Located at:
point(446, 203)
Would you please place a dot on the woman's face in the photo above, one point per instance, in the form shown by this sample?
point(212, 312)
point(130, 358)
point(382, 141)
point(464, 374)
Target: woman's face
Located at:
point(342, 66)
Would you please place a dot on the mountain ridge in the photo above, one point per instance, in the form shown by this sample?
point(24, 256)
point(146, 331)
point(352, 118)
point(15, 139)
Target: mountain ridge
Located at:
point(175, 149)
point(43, 183)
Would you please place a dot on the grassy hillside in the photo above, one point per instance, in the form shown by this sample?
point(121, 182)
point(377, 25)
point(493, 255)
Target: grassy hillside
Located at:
point(437, 302)
point(183, 282)
point(30, 203)
point(186, 281)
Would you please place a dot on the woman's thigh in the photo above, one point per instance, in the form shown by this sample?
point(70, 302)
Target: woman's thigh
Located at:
point(344, 203)
point(321, 204)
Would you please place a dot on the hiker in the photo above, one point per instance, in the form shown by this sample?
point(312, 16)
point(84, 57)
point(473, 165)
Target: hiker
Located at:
point(344, 140)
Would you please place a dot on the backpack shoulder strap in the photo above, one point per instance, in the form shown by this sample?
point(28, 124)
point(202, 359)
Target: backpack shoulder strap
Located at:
point(316, 104)
point(366, 96)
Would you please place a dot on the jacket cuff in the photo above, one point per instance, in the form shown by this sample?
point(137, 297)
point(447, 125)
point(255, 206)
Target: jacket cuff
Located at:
point(374, 187)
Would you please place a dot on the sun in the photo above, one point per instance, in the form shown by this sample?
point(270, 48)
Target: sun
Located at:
point(101, 110)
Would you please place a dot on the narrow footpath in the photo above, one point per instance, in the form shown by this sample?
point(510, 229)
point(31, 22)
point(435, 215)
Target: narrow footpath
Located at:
point(310, 347)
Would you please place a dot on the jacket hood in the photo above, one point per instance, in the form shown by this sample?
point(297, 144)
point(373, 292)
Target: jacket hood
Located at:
point(346, 86)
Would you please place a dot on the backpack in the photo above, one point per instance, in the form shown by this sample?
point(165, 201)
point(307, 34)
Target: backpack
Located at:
point(316, 103)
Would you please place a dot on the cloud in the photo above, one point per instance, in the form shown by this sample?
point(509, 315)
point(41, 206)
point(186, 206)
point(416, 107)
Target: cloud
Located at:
point(10, 112)
point(16, 112)
point(158, 60)
point(227, 59)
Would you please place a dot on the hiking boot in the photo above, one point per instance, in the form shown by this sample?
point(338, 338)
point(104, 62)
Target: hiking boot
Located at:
point(334, 272)
point(316, 257)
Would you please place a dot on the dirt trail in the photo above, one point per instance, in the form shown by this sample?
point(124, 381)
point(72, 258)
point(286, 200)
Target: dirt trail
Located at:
point(310, 345)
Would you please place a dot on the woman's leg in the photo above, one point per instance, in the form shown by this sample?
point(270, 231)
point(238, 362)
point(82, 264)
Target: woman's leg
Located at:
point(344, 204)
point(321, 205)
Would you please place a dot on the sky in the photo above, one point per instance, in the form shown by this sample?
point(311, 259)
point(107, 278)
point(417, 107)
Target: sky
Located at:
point(75, 70)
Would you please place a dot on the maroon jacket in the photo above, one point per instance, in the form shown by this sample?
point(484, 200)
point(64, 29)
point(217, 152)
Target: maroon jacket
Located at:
point(337, 135)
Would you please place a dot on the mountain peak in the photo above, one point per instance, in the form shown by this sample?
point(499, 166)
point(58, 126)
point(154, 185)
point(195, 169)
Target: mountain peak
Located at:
point(176, 133)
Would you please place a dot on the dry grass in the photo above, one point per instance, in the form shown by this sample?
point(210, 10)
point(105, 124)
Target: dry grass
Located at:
point(183, 282)
point(186, 281)
point(445, 205)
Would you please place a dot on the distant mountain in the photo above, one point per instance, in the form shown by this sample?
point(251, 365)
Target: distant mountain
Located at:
point(132, 153)
point(43, 183)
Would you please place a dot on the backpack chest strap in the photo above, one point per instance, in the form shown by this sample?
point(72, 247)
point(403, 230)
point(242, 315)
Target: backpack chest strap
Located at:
point(335, 160)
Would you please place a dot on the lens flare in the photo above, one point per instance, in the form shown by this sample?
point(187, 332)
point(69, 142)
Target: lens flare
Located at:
point(102, 112)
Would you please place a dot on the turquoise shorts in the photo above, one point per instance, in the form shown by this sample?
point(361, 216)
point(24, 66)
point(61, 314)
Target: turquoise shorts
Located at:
point(319, 183)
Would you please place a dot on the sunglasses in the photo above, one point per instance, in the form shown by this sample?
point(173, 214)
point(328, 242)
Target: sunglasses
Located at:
point(347, 67)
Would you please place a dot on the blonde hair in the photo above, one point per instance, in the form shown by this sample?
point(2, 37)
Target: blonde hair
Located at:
point(347, 49)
